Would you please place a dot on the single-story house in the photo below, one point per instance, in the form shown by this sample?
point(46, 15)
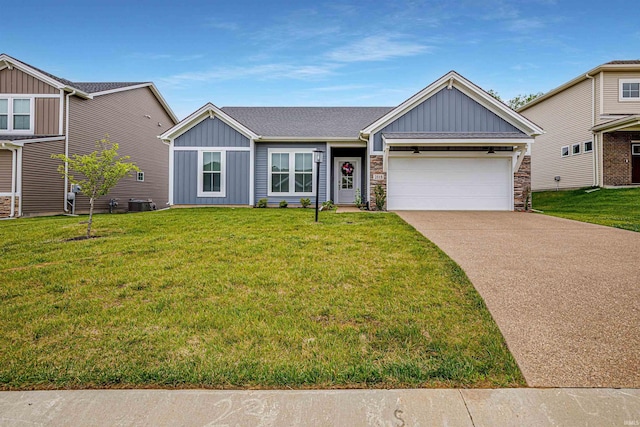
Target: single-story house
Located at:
point(451, 146)
point(42, 114)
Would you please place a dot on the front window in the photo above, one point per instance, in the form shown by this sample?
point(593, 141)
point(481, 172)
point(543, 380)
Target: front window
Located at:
point(629, 90)
point(290, 173)
point(211, 179)
point(15, 115)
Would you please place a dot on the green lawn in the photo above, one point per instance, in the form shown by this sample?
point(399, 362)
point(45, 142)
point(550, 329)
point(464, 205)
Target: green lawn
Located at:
point(612, 207)
point(240, 298)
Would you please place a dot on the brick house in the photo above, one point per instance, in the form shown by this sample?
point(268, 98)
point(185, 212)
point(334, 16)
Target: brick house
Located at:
point(592, 130)
point(41, 115)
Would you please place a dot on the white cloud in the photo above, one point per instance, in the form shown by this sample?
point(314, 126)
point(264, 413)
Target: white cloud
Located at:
point(376, 48)
point(260, 72)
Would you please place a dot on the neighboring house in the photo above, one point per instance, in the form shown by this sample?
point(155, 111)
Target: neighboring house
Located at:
point(592, 130)
point(41, 115)
point(450, 146)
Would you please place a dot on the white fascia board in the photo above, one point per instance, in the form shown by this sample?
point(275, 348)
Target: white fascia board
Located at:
point(153, 88)
point(47, 139)
point(10, 145)
point(29, 70)
point(618, 124)
point(307, 139)
point(453, 79)
point(469, 142)
point(207, 111)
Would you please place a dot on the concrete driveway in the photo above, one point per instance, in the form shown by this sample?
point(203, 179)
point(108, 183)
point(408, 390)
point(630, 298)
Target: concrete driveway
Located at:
point(565, 294)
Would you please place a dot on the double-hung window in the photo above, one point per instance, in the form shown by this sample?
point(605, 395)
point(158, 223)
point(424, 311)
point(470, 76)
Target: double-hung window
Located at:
point(629, 89)
point(290, 172)
point(211, 169)
point(16, 115)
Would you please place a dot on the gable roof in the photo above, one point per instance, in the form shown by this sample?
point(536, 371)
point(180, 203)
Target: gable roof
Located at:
point(208, 110)
point(616, 65)
point(320, 123)
point(453, 79)
point(85, 90)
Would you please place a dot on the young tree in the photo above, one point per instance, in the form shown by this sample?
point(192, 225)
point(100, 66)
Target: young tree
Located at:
point(100, 171)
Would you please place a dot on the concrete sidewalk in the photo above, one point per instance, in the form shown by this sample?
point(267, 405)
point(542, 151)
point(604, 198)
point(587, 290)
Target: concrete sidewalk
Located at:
point(424, 407)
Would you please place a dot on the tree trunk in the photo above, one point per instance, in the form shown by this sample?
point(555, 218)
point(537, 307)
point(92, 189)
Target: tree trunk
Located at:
point(90, 218)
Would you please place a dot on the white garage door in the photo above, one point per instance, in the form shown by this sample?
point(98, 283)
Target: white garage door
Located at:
point(430, 183)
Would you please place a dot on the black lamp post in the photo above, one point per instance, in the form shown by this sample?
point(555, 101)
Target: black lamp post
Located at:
point(317, 158)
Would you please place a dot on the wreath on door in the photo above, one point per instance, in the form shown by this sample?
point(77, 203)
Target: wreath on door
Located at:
point(347, 169)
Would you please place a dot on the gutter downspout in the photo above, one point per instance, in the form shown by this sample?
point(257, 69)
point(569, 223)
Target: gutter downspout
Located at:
point(593, 123)
point(12, 212)
point(66, 150)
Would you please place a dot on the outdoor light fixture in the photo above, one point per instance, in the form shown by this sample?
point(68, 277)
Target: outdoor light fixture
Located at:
point(416, 150)
point(491, 151)
point(317, 158)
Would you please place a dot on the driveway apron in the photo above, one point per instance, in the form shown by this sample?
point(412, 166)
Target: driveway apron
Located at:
point(565, 294)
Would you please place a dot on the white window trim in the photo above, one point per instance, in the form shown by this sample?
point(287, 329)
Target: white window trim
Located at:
point(620, 82)
point(292, 163)
point(223, 167)
point(138, 175)
point(562, 151)
point(633, 146)
point(573, 153)
point(584, 147)
point(9, 129)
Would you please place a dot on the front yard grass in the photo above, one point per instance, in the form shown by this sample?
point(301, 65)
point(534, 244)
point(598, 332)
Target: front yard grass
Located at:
point(611, 207)
point(240, 298)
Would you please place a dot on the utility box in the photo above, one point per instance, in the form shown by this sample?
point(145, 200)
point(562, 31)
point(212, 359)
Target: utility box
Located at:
point(136, 205)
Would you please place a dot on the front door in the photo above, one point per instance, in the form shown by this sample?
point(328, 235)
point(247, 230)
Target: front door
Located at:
point(635, 163)
point(347, 179)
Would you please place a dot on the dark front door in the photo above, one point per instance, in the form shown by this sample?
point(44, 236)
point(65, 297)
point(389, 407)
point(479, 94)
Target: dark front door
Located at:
point(635, 163)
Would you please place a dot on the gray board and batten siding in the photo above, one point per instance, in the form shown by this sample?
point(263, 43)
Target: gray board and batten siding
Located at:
point(262, 173)
point(211, 133)
point(449, 110)
point(185, 183)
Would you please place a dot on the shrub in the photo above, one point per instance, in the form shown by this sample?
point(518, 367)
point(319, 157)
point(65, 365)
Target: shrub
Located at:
point(328, 205)
point(284, 204)
point(262, 203)
point(358, 199)
point(305, 202)
point(380, 197)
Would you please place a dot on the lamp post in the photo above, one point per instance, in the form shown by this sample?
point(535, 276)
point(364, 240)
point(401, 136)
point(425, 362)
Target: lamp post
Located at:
point(317, 158)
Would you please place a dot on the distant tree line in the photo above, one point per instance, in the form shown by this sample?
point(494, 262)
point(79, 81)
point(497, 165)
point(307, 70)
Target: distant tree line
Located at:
point(518, 100)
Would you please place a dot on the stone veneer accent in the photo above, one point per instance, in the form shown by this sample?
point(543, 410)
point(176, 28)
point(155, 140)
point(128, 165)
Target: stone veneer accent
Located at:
point(522, 186)
point(5, 206)
point(375, 168)
point(616, 157)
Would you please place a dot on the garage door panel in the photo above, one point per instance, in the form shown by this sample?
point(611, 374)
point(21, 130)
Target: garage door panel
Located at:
point(449, 184)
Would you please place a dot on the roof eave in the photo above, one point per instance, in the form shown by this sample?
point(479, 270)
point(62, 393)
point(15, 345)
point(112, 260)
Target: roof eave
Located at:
point(453, 79)
point(579, 79)
point(207, 110)
point(618, 124)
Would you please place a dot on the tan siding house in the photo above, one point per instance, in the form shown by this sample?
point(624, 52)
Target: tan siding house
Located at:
point(33, 110)
point(592, 126)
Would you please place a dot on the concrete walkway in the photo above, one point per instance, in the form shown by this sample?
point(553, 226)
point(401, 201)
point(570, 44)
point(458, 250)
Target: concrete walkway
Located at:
point(565, 294)
point(507, 407)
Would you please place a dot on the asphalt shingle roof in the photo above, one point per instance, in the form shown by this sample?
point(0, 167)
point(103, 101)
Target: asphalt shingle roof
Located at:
point(329, 122)
point(87, 87)
point(624, 62)
point(93, 87)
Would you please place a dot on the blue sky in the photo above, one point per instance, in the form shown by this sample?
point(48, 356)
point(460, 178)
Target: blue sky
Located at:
point(297, 53)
